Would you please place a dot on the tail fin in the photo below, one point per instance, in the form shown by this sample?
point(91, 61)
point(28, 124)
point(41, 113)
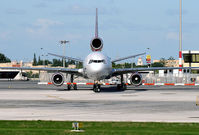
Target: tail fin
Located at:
point(96, 24)
point(96, 43)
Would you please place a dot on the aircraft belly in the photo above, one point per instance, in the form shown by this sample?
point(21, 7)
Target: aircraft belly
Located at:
point(99, 75)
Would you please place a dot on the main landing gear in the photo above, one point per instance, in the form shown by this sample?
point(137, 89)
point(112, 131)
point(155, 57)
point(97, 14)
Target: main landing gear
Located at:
point(96, 87)
point(71, 84)
point(122, 86)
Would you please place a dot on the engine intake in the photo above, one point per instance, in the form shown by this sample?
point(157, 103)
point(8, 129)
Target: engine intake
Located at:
point(57, 79)
point(96, 44)
point(136, 79)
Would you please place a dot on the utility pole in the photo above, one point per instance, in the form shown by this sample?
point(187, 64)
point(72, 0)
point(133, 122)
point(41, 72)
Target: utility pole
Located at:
point(132, 62)
point(43, 56)
point(44, 59)
point(63, 42)
point(180, 40)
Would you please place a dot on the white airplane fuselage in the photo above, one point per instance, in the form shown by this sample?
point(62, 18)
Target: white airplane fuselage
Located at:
point(97, 66)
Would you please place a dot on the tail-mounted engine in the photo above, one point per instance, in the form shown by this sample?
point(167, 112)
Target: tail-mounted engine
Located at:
point(96, 44)
point(57, 79)
point(136, 79)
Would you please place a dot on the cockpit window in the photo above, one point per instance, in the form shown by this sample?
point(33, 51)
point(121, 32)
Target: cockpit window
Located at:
point(91, 61)
point(97, 61)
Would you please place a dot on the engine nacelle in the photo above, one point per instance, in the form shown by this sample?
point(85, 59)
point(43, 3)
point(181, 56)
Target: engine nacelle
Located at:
point(57, 79)
point(96, 44)
point(136, 79)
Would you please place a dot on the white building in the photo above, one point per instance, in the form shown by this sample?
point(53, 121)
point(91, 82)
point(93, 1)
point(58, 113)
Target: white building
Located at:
point(140, 62)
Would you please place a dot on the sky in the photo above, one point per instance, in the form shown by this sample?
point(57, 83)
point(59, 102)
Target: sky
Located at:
point(127, 27)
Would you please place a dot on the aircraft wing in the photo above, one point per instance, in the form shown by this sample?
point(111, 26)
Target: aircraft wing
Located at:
point(128, 57)
point(130, 70)
point(65, 70)
point(66, 57)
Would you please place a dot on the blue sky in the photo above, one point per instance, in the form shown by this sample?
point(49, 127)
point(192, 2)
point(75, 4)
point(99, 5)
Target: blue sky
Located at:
point(126, 26)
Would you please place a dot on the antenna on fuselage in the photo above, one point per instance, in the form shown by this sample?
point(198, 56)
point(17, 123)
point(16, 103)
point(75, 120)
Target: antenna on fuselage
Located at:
point(96, 24)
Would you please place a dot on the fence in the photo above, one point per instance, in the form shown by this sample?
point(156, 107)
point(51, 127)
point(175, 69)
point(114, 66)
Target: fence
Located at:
point(147, 78)
point(170, 78)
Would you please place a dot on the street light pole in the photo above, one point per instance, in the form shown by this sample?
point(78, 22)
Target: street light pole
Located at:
point(43, 60)
point(132, 63)
point(43, 55)
point(47, 60)
point(180, 39)
point(63, 42)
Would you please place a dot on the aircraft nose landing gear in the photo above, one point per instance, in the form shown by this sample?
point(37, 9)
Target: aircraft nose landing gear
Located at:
point(96, 87)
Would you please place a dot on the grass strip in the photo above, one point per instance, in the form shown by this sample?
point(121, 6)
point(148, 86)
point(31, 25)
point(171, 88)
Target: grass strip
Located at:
point(97, 128)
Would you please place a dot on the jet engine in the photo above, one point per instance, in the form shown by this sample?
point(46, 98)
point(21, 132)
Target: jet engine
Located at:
point(57, 79)
point(136, 79)
point(96, 44)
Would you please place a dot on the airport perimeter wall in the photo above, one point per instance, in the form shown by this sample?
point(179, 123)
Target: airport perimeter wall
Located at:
point(186, 78)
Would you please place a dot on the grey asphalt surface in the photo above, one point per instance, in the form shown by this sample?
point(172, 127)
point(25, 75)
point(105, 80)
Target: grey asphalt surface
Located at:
point(20, 100)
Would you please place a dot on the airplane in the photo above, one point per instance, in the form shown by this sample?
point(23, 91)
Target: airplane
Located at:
point(97, 66)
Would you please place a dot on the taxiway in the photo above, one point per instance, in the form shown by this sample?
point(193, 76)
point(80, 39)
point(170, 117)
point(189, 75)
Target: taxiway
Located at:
point(28, 101)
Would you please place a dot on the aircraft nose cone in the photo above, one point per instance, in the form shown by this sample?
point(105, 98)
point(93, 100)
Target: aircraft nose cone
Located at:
point(97, 68)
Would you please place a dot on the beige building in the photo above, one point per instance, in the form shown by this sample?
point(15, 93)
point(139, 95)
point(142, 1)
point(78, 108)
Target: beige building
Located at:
point(170, 63)
point(71, 66)
point(20, 64)
point(11, 64)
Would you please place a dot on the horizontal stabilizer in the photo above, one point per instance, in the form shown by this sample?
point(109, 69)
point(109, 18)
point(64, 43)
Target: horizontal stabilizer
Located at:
point(66, 57)
point(124, 58)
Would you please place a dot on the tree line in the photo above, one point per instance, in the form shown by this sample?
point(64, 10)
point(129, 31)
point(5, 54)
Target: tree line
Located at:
point(55, 62)
point(4, 59)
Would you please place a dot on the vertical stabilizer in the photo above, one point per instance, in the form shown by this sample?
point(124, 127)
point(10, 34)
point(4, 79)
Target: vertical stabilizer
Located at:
point(96, 24)
point(96, 43)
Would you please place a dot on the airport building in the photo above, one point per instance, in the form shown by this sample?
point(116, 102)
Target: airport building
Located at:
point(140, 62)
point(191, 59)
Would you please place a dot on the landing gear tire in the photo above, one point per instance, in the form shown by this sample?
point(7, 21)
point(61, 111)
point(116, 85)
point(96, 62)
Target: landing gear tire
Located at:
point(96, 88)
point(118, 86)
point(72, 85)
point(121, 87)
point(75, 86)
point(124, 87)
point(69, 87)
